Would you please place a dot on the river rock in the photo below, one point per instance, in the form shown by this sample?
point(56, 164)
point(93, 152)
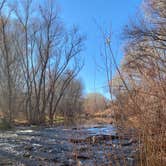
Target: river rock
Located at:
point(128, 142)
point(94, 139)
point(82, 148)
point(81, 155)
point(26, 154)
point(28, 147)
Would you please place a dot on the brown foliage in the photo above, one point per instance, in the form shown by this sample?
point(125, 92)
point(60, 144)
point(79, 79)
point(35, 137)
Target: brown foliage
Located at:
point(94, 102)
point(141, 90)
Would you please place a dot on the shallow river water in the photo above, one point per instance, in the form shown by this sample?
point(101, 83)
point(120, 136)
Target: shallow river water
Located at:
point(85, 145)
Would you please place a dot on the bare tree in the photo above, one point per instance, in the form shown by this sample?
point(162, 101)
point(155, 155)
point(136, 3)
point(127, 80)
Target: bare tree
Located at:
point(47, 53)
point(9, 66)
point(71, 102)
point(94, 102)
point(39, 59)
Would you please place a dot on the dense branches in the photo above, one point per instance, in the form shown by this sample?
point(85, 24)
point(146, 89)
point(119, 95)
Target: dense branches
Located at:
point(143, 102)
point(37, 54)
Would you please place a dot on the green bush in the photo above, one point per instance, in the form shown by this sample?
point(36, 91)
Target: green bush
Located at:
point(4, 124)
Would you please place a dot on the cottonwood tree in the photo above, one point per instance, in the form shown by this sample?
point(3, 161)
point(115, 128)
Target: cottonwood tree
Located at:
point(145, 53)
point(9, 65)
point(143, 69)
point(37, 54)
point(94, 102)
point(47, 54)
point(69, 106)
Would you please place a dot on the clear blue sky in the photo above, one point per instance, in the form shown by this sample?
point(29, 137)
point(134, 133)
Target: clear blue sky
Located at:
point(109, 14)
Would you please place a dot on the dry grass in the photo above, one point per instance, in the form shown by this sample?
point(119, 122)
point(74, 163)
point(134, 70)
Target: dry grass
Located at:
point(151, 131)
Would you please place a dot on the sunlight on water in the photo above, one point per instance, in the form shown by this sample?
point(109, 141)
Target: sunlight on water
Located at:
point(25, 131)
point(8, 135)
point(107, 130)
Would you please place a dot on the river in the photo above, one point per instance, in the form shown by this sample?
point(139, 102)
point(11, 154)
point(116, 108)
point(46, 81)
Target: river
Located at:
point(86, 145)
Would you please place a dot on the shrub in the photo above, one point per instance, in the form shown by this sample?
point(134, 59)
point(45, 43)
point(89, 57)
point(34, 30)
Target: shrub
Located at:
point(4, 124)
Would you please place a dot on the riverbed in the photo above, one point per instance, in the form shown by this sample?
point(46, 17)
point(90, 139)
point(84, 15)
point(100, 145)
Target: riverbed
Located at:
point(80, 145)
